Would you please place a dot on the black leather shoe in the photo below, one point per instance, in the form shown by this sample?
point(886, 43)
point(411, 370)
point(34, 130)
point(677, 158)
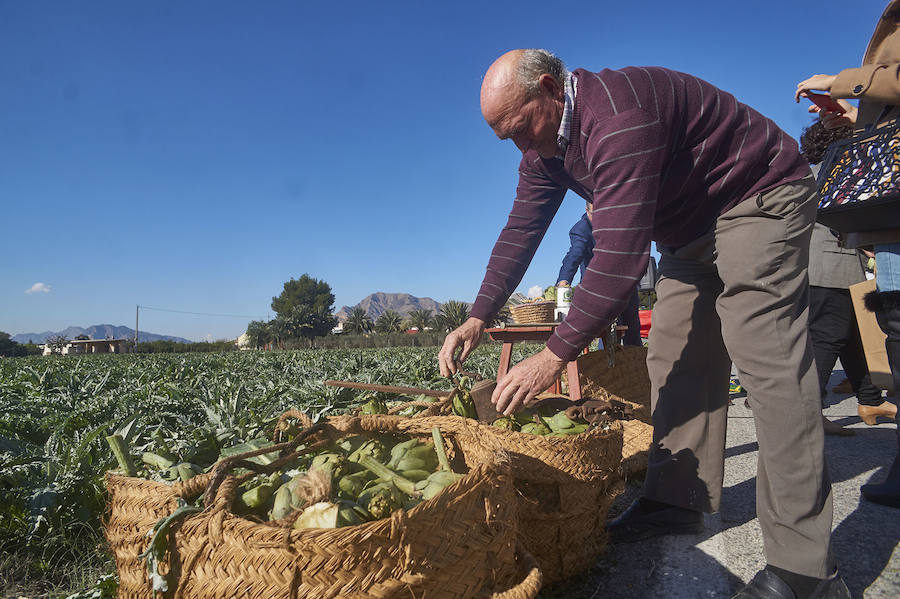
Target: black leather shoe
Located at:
point(635, 524)
point(767, 585)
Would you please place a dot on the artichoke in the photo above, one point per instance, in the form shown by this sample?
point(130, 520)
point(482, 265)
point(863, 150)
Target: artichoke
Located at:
point(374, 406)
point(414, 475)
point(533, 428)
point(575, 430)
point(183, 471)
point(282, 504)
point(463, 405)
point(351, 514)
point(334, 463)
point(559, 422)
point(413, 455)
point(255, 500)
point(381, 500)
point(524, 417)
point(351, 485)
point(436, 482)
point(319, 515)
point(371, 447)
point(506, 422)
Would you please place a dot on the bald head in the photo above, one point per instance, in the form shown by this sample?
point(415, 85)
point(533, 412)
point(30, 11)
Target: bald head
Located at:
point(501, 88)
point(522, 96)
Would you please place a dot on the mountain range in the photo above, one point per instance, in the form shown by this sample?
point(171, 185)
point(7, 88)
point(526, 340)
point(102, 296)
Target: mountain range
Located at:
point(98, 331)
point(403, 303)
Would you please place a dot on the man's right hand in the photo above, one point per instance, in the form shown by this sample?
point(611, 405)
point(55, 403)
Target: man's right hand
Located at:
point(465, 339)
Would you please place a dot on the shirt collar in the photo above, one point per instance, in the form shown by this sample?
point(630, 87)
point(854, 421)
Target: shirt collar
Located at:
point(565, 124)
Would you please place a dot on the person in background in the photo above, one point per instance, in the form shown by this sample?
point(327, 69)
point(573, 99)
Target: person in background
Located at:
point(832, 323)
point(667, 157)
point(876, 85)
point(581, 250)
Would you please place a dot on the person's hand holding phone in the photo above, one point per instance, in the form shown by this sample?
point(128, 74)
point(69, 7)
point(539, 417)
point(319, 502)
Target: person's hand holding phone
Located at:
point(833, 112)
point(833, 120)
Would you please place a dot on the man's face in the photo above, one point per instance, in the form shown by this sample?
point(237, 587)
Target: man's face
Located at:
point(531, 125)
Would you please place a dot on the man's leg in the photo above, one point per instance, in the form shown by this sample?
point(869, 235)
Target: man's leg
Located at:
point(762, 248)
point(689, 375)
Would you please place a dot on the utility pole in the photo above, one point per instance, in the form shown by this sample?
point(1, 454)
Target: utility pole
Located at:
point(137, 311)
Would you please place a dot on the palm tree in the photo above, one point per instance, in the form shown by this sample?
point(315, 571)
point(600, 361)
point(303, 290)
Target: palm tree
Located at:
point(358, 321)
point(281, 330)
point(389, 321)
point(420, 319)
point(452, 315)
point(259, 333)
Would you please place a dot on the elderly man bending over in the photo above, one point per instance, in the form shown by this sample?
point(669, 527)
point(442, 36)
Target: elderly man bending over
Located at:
point(725, 194)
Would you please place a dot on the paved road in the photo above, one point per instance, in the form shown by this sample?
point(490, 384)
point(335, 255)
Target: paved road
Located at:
point(866, 537)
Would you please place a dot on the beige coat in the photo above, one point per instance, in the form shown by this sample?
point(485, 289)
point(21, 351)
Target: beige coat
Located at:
point(877, 85)
point(877, 82)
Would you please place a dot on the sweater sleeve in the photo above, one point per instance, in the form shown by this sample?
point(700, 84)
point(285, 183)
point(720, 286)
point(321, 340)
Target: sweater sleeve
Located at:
point(581, 243)
point(538, 198)
point(625, 154)
point(874, 82)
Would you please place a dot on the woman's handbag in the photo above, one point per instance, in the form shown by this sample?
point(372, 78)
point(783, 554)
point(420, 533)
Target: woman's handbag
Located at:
point(859, 182)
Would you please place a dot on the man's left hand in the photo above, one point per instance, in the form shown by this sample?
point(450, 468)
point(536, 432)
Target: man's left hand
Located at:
point(525, 380)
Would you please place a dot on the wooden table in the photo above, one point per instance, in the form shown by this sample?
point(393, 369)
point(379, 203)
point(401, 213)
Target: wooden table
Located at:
point(513, 334)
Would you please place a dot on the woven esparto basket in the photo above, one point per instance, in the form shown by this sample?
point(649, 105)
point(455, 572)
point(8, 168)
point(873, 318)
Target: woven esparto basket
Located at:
point(461, 543)
point(537, 312)
point(627, 381)
point(564, 487)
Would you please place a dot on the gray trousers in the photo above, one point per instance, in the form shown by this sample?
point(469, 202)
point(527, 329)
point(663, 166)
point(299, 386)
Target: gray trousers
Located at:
point(741, 291)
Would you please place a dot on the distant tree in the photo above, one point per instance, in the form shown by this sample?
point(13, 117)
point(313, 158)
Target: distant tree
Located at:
point(305, 308)
point(259, 333)
point(82, 337)
point(452, 315)
point(8, 347)
point(305, 291)
point(56, 343)
point(358, 322)
point(420, 319)
point(389, 321)
point(307, 322)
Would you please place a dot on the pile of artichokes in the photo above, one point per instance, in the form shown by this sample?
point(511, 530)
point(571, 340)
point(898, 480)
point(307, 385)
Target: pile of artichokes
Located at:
point(356, 479)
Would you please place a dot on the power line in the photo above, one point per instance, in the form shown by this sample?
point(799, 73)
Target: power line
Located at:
point(198, 313)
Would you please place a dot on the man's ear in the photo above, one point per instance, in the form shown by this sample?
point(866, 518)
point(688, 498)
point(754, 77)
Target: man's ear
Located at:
point(550, 86)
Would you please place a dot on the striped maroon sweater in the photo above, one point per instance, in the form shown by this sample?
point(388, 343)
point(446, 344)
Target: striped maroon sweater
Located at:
point(660, 154)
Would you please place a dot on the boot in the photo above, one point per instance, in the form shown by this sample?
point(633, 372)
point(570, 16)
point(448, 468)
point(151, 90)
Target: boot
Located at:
point(886, 306)
point(888, 492)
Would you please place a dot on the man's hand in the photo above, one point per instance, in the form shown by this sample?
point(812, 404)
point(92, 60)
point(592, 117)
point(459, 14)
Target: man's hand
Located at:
point(816, 82)
point(465, 338)
point(525, 380)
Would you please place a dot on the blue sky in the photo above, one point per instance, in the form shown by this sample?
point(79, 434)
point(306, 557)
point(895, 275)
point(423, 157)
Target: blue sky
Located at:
point(196, 155)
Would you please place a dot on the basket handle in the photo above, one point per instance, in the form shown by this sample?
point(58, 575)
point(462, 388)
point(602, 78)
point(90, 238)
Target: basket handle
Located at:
point(532, 578)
